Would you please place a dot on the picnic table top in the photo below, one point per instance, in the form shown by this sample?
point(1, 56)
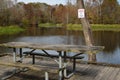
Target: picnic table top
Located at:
point(57, 47)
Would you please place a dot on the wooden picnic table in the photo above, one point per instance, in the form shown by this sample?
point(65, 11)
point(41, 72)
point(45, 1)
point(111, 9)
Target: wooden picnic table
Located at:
point(62, 50)
point(57, 47)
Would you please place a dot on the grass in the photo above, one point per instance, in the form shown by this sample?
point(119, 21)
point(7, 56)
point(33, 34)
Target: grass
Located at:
point(74, 27)
point(106, 27)
point(96, 27)
point(49, 25)
point(9, 30)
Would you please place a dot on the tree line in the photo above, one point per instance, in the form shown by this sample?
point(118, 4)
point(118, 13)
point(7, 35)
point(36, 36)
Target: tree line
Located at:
point(19, 13)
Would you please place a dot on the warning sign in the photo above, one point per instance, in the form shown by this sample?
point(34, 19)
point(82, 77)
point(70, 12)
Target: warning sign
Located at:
point(81, 13)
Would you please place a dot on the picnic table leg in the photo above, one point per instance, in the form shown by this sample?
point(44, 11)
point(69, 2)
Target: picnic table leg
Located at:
point(14, 54)
point(74, 64)
point(21, 53)
point(33, 59)
point(46, 76)
point(65, 64)
point(60, 66)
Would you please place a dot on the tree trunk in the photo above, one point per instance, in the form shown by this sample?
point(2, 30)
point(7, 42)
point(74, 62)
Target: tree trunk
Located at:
point(87, 31)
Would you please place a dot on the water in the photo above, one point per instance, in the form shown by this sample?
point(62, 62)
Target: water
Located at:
point(111, 41)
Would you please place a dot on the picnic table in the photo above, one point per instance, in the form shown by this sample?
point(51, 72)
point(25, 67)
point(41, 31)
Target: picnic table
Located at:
point(62, 50)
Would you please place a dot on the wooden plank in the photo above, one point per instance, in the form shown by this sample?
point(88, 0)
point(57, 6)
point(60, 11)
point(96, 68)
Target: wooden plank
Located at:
point(57, 47)
point(83, 68)
point(87, 73)
point(83, 72)
point(101, 73)
point(94, 71)
point(113, 74)
point(29, 66)
point(117, 77)
point(108, 73)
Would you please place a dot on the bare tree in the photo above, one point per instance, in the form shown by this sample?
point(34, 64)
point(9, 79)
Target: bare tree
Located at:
point(87, 31)
point(4, 11)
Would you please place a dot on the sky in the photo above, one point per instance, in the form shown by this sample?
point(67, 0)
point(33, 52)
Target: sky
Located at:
point(50, 2)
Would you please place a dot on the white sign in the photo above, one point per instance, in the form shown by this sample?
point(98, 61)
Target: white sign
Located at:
point(81, 13)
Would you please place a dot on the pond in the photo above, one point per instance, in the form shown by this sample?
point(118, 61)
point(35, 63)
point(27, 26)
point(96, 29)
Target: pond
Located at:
point(111, 41)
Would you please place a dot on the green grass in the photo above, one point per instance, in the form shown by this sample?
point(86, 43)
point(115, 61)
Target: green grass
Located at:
point(49, 25)
point(96, 27)
point(9, 30)
point(74, 27)
point(106, 27)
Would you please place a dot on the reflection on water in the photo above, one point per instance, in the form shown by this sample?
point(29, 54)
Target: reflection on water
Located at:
point(110, 40)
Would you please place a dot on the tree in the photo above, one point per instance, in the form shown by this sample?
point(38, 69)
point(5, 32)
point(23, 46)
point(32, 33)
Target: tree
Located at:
point(46, 13)
point(87, 31)
point(4, 11)
point(118, 15)
point(60, 14)
point(102, 11)
point(17, 13)
point(109, 9)
point(93, 8)
point(32, 13)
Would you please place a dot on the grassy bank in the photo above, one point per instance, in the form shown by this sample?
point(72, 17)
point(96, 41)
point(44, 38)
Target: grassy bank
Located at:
point(9, 30)
point(107, 27)
point(96, 27)
point(48, 25)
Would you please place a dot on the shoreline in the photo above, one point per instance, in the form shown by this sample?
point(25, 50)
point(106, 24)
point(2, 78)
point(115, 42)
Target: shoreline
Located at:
point(11, 30)
point(94, 27)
